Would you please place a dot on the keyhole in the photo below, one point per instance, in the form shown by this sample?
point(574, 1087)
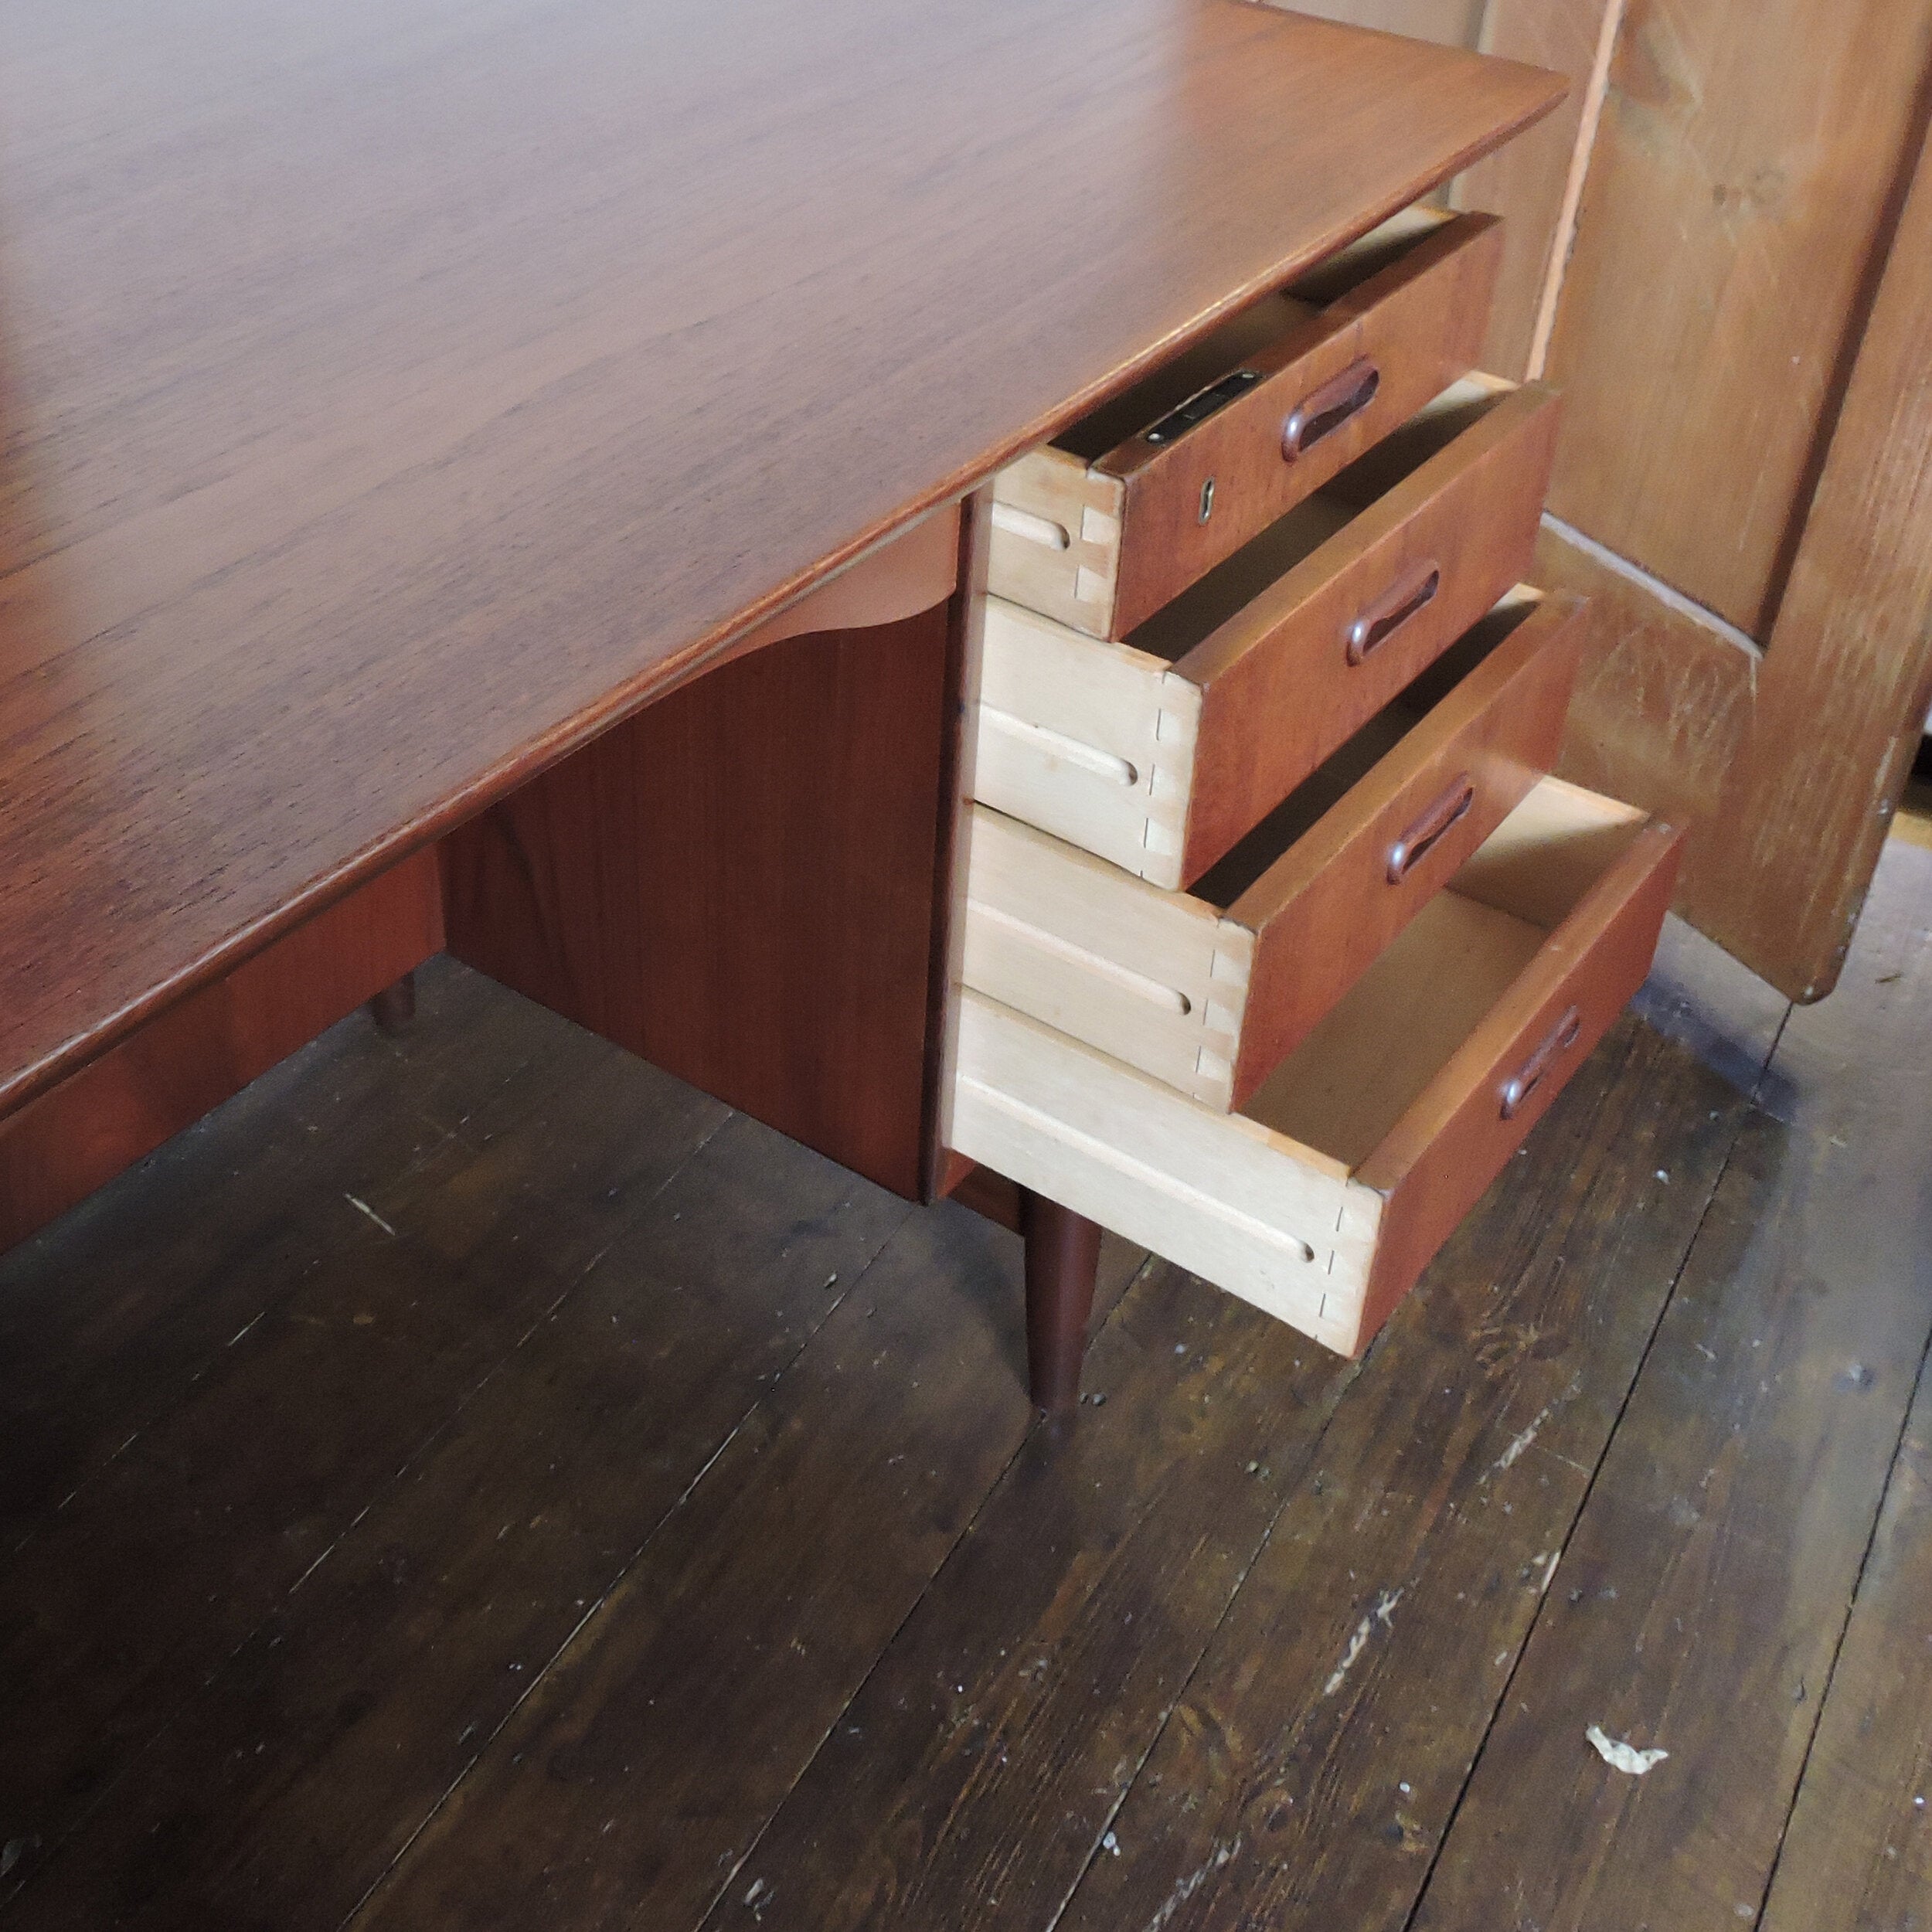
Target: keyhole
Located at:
point(1207, 500)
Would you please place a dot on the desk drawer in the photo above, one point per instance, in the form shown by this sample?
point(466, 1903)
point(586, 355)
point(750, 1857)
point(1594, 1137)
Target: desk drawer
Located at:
point(1209, 991)
point(1325, 1197)
point(1147, 494)
point(1160, 752)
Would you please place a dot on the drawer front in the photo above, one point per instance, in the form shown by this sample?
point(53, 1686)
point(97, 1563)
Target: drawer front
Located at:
point(1364, 365)
point(1161, 765)
point(1456, 1138)
point(1318, 654)
point(1209, 1000)
point(1101, 545)
point(1328, 1246)
point(1330, 905)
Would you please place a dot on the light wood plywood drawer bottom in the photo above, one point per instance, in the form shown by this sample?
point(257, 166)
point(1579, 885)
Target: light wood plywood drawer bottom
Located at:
point(1323, 1200)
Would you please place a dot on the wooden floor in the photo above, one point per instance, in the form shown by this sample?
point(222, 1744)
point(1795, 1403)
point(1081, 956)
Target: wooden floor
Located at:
point(475, 1481)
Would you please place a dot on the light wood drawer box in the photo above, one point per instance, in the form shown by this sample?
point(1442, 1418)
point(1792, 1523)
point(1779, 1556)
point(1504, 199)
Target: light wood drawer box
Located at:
point(1322, 1201)
point(1136, 502)
point(1160, 752)
point(1209, 991)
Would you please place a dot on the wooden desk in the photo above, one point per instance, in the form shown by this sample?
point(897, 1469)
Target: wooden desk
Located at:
point(399, 400)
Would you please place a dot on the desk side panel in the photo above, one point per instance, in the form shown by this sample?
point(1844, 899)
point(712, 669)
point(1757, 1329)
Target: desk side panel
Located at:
point(738, 884)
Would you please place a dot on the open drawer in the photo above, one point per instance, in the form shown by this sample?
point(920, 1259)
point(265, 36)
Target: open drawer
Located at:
point(1208, 990)
point(1324, 1199)
point(1160, 752)
point(1145, 494)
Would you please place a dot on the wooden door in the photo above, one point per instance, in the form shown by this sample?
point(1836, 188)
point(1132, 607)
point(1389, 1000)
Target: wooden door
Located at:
point(1721, 249)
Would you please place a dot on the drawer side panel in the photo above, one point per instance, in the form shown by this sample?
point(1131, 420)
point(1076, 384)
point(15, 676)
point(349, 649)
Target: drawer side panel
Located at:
point(1215, 1194)
point(1156, 978)
point(1056, 543)
point(1090, 741)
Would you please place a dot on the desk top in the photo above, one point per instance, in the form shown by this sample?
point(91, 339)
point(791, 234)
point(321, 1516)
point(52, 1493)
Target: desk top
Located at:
point(395, 392)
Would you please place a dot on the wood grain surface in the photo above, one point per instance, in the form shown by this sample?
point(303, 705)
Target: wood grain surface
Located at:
point(1408, 331)
point(61, 1147)
point(1741, 183)
point(1455, 1139)
point(1222, 1656)
point(1703, 1595)
point(1848, 668)
point(1858, 1852)
point(1330, 904)
point(1788, 763)
point(1304, 1772)
point(1278, 690)
point(1536, 184)
point(395, 396)
point(738, 884)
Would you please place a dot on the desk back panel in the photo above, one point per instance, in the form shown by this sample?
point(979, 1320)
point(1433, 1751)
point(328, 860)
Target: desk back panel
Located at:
point(738, 884)
point(58, 1148)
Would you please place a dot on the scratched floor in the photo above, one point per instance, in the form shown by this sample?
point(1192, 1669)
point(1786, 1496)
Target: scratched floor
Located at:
point(473, 1481)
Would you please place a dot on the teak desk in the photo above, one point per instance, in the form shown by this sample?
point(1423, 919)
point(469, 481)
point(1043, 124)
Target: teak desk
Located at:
point(511, 478)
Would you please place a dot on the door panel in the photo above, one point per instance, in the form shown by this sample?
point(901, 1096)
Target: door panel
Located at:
point(1722, 250)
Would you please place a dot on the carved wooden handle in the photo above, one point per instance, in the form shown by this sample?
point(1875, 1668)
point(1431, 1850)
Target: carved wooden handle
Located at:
point(1561, 1037)
point(1414, 846)
point(1324, 410)
point(1375, 623)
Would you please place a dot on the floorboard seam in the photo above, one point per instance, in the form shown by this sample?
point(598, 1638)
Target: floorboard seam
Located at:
point(172, 1405)
point(1576, 1516)
point(623, 1570)
point(384, 1485)
point(1353, 1374)
point(1589, 1487)
point(424, 1158)
point(885, 1650)
point(1844, 1625)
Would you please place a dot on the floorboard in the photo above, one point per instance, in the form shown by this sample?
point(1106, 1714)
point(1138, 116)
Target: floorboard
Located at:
point(1699, 1604)
point(980, 1767)
point(109, 1319)
point(474, 1481)
point(369, 1327)
point(1858, 1855)
point(1308, 1769)
point(629, 1785)
point(349, 1713)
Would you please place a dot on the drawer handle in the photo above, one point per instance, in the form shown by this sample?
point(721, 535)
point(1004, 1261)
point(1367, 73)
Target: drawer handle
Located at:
point(1416, 844)
point(1323, 411)
point(1411, 593)
point(1563, 1036)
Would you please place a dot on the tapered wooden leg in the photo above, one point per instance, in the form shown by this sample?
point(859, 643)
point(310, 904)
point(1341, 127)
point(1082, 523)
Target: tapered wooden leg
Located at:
point(394, 1007)
point(1062, 1260)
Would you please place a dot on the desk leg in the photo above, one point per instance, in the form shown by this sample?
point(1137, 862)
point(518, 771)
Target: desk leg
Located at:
point(394, 1007)
point(1062, 1260)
